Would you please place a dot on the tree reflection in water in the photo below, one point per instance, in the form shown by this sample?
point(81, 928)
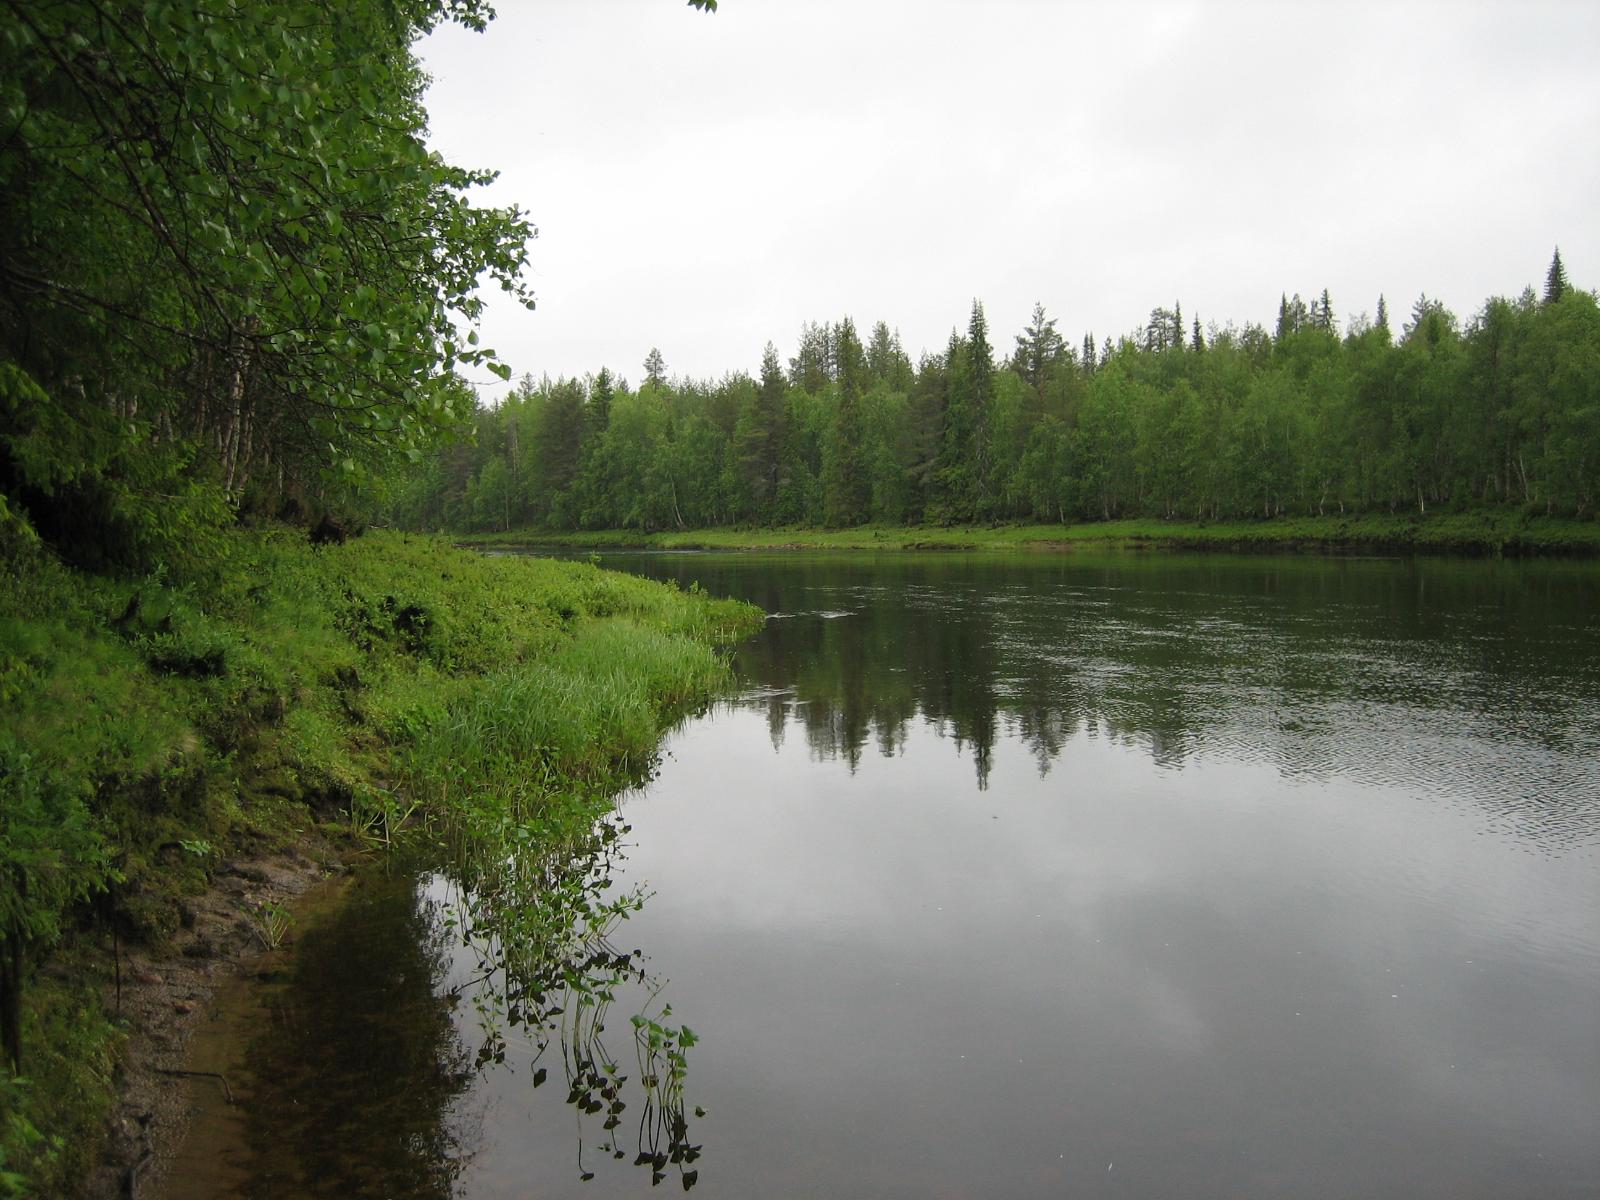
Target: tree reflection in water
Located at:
point(1407, 673)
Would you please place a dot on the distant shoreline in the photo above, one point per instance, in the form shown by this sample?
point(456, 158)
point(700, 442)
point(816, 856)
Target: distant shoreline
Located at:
point(1486, 534)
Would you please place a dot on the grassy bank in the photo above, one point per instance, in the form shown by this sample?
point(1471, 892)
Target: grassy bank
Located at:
point(1491, 532)
point(156, 728)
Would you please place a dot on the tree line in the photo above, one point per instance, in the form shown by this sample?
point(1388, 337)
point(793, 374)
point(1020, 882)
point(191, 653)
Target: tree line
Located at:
point(1173, 421)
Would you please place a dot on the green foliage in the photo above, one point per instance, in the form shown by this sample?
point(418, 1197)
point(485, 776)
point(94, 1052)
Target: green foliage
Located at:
point(50, 1115)
point(152, 725)
point(230, 257)
point(271, 923)
point(846, 482)
point(1496, 411)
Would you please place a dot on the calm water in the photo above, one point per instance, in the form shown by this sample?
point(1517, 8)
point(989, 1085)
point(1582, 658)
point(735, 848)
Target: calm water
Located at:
point(1126, 876)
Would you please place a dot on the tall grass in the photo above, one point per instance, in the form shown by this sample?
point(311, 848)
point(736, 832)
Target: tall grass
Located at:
point(499, 697)
point(520, 743)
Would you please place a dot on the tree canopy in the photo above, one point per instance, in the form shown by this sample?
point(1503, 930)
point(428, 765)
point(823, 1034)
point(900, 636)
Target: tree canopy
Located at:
point(227, 256)
point(1502, 409)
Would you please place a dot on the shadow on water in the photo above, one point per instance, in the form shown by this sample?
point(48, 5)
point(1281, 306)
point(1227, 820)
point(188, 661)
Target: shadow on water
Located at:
point(357, 1083)
point(412, 1009)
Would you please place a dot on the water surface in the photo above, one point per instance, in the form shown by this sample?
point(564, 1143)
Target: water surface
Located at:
point(1110, 876)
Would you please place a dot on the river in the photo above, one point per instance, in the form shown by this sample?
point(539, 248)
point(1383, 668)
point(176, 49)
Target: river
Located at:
point(1112, 875)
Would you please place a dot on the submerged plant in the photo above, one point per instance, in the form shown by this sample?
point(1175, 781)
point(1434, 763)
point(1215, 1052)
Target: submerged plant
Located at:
point(380, 818)
point(540, 926)
point(271, 922)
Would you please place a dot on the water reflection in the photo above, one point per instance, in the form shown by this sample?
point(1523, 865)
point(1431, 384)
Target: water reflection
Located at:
point(1469, 678)
point(536, 960)
point(357, 1088)
point(422, 1014)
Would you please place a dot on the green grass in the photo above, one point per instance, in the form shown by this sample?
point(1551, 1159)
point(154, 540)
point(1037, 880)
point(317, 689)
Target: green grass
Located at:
point(388, 678)
point(1507, 531)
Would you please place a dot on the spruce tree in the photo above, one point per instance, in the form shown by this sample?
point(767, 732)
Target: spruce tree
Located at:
point(1199, 342)
point(1382, 323)
point(950, 492)
point(561, 423)
point(980, 367)
point(963, 492)
point(847, 487)
point(601, 392)
point(1555, 280)
point(763, 436)
point(1322, 313)
point(880, 353)
point(812, 365)
point(928, 405)
point(1039, 349)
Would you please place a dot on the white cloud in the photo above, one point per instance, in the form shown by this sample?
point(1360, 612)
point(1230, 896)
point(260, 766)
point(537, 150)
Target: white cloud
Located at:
point(705, 183)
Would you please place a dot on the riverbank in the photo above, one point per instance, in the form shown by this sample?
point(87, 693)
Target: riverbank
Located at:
point(185, 752)
point(1510, 533)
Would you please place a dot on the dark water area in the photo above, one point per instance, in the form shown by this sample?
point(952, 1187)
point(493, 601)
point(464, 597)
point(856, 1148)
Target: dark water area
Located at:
point(1107, 876)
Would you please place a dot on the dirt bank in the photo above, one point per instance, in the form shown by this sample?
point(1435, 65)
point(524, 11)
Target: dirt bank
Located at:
point(170, 999)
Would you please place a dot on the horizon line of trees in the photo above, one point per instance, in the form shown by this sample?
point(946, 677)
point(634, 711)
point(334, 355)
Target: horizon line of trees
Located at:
point(1171, 421)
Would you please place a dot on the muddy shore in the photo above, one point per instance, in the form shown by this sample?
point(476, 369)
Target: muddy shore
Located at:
point(181, 1006)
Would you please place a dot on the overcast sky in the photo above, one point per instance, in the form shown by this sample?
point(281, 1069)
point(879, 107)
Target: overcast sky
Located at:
point(706, 183)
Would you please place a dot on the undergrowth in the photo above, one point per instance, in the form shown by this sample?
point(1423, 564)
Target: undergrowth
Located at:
point(154, 726)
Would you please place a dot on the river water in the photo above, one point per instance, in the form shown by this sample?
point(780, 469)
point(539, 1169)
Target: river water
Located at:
point(1122, 875)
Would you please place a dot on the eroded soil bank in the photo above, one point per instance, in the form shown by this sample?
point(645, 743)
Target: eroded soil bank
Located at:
point(188, 1006)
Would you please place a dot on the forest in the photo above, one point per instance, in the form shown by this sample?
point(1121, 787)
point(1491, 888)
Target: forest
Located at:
point(1172, 421)
point(239, 294)
point(236, 285)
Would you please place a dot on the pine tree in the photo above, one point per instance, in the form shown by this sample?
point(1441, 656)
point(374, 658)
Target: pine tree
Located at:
point(655, 368)
point(1555, 280)
point(1292, 316)
point(1163, 330)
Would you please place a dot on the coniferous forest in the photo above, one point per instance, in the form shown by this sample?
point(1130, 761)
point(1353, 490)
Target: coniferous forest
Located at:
point(1418, 412)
